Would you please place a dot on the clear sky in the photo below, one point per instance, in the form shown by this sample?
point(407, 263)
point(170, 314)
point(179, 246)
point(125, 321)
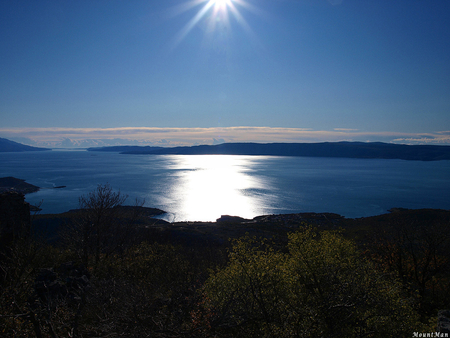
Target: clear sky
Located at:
point(196, 71)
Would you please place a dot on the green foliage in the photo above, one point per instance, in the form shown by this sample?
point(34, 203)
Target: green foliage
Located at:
point(146, 289)
point(341, 292)
point(159, 267)
point(105, 280)
point(248, 292)
point(321, 287)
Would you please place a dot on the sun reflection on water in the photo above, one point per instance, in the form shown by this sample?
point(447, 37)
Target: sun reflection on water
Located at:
point(209, 186)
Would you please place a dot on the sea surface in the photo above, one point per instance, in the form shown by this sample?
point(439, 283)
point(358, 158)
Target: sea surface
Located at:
point(204, 187)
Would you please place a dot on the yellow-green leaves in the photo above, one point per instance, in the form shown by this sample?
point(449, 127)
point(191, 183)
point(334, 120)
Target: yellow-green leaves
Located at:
point(320, 287)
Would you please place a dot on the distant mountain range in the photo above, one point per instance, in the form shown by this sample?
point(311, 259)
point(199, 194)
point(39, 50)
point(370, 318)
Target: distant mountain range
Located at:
point(326, 149)
point(10, 146)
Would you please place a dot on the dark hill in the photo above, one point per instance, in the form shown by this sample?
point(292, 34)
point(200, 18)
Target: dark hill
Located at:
point(11, 146)
point(16, 184)
point(127, 149)
point(326, 149)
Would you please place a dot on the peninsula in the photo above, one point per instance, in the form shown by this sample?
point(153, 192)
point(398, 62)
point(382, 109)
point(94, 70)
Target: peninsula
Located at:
point(365, 150)
point(11, 146)
point(16, 184)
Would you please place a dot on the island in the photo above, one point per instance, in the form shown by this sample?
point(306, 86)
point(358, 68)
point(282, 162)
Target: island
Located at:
point(366, 150)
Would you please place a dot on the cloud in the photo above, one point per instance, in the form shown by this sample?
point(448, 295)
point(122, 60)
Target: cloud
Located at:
point(443, 140)
point(92, 137)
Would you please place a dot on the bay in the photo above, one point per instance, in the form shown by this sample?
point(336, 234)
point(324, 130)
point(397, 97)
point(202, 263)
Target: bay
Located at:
point(204, 187)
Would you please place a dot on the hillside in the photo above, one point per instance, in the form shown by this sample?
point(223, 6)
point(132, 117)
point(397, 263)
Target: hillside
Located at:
point(128, 272)
point(11, 146)
point(326, 149)
point(16, 184)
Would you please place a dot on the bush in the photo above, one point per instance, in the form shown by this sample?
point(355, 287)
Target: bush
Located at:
point(320, 287)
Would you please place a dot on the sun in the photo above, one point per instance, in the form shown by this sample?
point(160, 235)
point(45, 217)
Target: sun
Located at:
point(217, 13)
point(221, 3)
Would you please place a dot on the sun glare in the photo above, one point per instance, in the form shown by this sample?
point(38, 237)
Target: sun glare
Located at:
point(221, 3)
point(215, 13)
point(213, 185)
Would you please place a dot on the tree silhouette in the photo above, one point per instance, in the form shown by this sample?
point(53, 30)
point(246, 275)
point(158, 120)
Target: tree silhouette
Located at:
point(102, 226)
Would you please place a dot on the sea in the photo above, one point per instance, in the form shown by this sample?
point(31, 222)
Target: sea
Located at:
point(205, 187)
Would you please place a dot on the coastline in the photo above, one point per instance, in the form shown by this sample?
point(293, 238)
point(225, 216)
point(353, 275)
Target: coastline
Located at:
point(268, 226)
point(16, 184)
point(364, 150)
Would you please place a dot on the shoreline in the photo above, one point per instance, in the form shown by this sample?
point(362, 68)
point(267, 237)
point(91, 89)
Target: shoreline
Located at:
point(276, 227)
point(343, 149)
point(17, 185)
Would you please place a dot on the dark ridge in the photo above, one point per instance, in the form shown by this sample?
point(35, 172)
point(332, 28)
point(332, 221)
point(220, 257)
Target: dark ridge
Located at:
point(11, 146)
point(125, 149)
point(16, 184)
point(143, 211)
point(365, 150)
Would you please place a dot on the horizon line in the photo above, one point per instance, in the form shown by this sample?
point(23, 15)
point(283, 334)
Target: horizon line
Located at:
point(64, 137)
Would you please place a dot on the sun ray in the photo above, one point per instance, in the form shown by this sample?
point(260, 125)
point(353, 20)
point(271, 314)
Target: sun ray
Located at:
point(220, 3)
point(256, 41)
point(184, 7)
point(217, 14)
point(191, 24)
point(250, 7)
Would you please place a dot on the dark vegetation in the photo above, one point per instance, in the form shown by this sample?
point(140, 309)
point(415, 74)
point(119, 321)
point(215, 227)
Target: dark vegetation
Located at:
point(109, 271)
point(16, 184)
point(324, 149)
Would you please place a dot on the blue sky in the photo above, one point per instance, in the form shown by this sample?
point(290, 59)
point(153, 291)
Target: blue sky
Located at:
point(187, 72)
